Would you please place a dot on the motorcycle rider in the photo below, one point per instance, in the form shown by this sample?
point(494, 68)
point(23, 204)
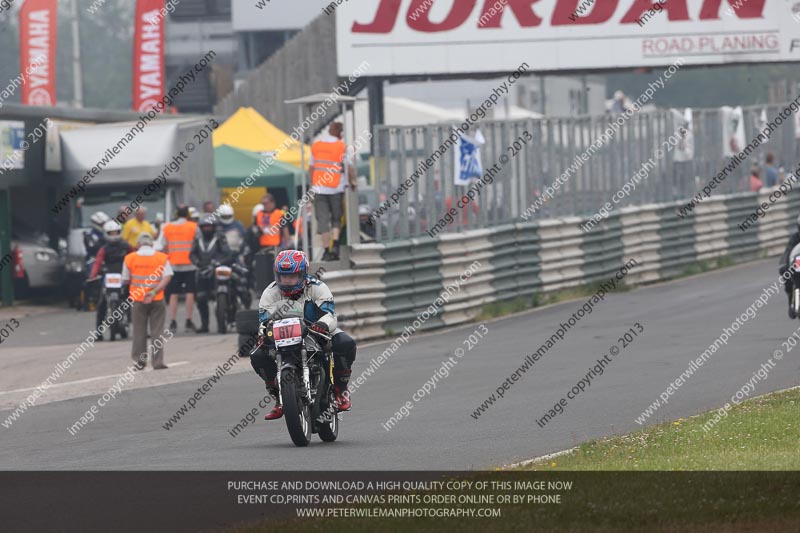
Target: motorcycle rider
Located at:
point(784, 266)
point(209, 249)
point(112, 257)
point(293, 284)
point(233, 230)
point(93, 238)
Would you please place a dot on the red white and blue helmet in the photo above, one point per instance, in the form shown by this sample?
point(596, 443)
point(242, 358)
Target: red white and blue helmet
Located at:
point(288, 263)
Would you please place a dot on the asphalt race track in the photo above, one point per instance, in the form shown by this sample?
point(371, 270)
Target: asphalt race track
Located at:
point(680, 320)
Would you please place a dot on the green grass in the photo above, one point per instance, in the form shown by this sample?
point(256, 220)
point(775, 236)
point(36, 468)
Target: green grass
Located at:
point(760, 434)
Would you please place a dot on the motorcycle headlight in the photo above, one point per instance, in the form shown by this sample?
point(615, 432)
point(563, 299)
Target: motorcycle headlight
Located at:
point(44, 257)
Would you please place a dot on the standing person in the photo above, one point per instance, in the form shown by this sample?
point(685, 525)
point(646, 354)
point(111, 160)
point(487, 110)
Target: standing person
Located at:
point(148, 273)
point(210, 249)
point(110, 259)
point(328, 158)
point(123, 214)
point(176, 241)
point(135, 226)
point(273, 233)
point(208, 207)
point(755, 179)
point(770, 172)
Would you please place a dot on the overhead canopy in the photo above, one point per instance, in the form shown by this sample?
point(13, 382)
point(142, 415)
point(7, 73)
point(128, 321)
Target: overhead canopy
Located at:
point(137, 158)
point(233, 166)
point(248, 130)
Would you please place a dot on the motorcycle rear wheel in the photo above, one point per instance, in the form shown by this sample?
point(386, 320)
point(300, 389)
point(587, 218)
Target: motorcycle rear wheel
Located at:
point(295, 411)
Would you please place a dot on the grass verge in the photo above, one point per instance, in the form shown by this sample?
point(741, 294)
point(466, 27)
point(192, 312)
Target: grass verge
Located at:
point(739, 481)
point(760, 434)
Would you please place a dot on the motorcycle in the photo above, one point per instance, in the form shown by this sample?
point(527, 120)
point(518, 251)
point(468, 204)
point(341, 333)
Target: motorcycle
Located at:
point(112, 292)
point(305, 378)
point(231, 287)
point(794, 258)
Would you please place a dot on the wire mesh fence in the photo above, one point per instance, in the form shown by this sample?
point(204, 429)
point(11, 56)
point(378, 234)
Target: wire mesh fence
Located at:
point(414, 193)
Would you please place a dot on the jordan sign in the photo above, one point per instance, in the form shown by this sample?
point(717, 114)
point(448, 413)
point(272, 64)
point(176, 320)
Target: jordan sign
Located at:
point(408, 37)
point(148, 55)
point(38, 20)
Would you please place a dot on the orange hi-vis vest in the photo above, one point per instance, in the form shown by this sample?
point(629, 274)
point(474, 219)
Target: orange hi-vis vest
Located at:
point(328, 163)
point(146, 272)
point(179, 239)
point(270, 224)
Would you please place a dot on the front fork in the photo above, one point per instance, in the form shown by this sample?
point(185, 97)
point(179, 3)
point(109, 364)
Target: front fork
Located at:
point(796, 300)
point(305, 373)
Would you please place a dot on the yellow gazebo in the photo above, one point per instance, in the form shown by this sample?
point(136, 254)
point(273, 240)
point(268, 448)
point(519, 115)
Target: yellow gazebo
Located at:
point(248, 130)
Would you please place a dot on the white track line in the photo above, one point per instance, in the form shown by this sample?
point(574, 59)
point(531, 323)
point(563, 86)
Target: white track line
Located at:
point(538, 459)
point(87, 380)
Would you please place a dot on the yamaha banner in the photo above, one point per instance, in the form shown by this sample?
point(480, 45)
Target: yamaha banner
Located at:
point(38, 20)
point(148, 54)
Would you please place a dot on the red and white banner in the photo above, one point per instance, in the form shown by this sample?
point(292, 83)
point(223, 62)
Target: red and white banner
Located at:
point(416, 37)
point(148, 55)
point(38, 21)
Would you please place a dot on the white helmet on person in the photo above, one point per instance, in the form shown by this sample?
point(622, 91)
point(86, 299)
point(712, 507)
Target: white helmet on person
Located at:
point(194, 214)
point(98, 219)
point(226, 213)
point(112, 231)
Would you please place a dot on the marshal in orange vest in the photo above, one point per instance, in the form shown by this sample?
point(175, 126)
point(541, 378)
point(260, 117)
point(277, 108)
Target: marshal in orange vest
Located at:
point(328, 163)
point(179, 239)
point(270, 224)
point(146, 272)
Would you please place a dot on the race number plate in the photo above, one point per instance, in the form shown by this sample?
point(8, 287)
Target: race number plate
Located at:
point(113, 281)
point(287, 332)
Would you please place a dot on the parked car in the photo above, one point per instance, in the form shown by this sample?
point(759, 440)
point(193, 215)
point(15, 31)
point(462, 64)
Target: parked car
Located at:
point(35, 264)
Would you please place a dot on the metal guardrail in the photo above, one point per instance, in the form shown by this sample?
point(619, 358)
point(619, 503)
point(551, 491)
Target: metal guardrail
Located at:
point(391, 284)
point(557, 144)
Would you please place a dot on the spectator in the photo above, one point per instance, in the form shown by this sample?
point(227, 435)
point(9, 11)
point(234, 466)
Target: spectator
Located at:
point(329, 155)
point(755, 179)
point(208, 207)
point(123, 214)
point(770, 172)
point(618, 106)
point(176, 241)
point(136, 226)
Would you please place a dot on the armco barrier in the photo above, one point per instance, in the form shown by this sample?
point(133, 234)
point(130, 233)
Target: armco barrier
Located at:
point(390, 284)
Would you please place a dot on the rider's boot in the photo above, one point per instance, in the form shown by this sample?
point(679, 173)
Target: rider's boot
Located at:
point(277, 411)
point(342, 377)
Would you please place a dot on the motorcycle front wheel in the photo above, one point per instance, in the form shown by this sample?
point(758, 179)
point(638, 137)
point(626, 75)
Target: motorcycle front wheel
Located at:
point(295, 410)
point(329, 431)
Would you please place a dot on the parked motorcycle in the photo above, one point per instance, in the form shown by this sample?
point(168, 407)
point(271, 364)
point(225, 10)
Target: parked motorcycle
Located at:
point(305, 378)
